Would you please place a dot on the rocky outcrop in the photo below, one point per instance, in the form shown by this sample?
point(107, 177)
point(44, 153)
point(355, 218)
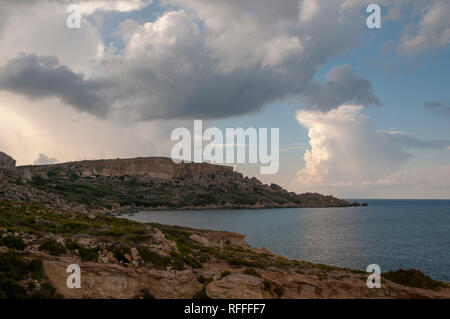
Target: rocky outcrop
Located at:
point(150, 183)
point(6, 161)
point(236, 286)
point(119, 258)
point(153, 167)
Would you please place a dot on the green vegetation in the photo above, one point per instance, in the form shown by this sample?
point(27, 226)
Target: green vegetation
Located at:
point(15, 270)
point(203, 280)
point(251, 272)
point(278, 291)
point(268, 285)
point(413, 278)
point(225, 273)
point(52, 247)
point(13, 242)
point(158, 261)
point(88, 254)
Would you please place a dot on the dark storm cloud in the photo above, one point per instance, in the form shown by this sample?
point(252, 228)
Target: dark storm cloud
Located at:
point(38, 77)
point(343, 86)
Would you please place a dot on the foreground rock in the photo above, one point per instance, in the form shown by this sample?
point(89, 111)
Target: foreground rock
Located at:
point(124, 259)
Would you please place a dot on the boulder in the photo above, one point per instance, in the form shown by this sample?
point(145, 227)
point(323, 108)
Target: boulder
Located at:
point(200, 239)
point(6, 161)
point(236, 286)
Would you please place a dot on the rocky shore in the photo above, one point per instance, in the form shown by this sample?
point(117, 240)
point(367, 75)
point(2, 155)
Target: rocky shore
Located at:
point(54, 216)
point(119, 258)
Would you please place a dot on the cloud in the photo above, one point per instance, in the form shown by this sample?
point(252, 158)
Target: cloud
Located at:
point(44, 160)
point(204, 60)
point(222, 60)
point(40, 28)
point(343, 86)
point(437, 107)
point(51, 127)
point(38, 77)
point(347, 149)
point(432, 31)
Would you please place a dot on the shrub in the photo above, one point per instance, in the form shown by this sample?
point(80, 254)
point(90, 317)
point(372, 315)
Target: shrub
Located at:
point(267, 285)
point(201, 279)
point(158, 261)
point(251, 272)
point(36, 268)
point(13, 242)
point(119, 253)
point(279, 292)
point(88, 254)
point(52, 247)
point(47, 291)
point(413, 278)
point(225, 273)
point(72, 245)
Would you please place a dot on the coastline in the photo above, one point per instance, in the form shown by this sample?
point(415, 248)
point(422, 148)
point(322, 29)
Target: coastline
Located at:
point(160, 261)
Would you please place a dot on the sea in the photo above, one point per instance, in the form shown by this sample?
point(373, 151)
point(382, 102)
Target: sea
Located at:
point(390, 233)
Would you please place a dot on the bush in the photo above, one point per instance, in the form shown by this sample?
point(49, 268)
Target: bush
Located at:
point(158, 261)
point(119, 253)
point(47, 291)
point(72, 245)
point(267, 285)
point(251, 272)
point(225, 273)
point(36, 268)
point(88, 254)
point(413, 278)
point(13, 242)
point(52, 247)
point(201, 279)
point(279, 292)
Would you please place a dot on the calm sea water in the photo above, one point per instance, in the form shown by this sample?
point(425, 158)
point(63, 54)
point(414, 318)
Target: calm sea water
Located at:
point(391, 233)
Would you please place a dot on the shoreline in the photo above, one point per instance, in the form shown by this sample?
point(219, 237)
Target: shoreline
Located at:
point(167, 262)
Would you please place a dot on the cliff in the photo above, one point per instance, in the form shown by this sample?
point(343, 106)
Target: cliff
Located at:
point(6, 161)
point(118, 185)
point(151, 167)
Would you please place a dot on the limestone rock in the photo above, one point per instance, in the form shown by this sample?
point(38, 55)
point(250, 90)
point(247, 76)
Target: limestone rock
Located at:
point(200, 239)
point(7, 161)
point(236, 286)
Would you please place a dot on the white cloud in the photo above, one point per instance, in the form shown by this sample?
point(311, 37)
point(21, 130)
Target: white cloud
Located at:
point(433, 30)
point(40, 28)
point(346, 148)
point(50, 127)
point(44, 160)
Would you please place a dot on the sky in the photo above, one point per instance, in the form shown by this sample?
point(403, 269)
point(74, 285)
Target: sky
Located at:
point(362, 113)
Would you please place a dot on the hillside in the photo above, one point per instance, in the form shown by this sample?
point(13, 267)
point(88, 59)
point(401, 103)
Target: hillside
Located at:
point(148, 183)
point(120, 258)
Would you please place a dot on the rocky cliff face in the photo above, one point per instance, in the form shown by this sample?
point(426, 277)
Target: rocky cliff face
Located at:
point(152, 167)
point(6, 161)
point(119, 185)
